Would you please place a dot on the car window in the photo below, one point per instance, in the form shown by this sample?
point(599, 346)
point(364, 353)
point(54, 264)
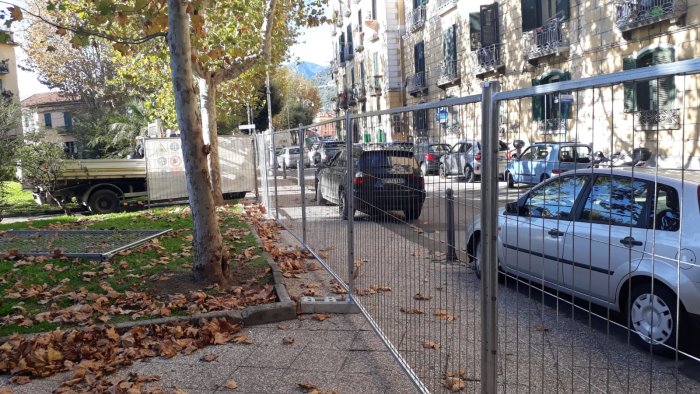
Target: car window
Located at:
point(294, 150)
point(456, 148)
point(575, 154)
point(616, 201)
point(667, 215)
point(339, 156)
point(529, 154)
point(440, 149)
point(555, 199)
point(542, 152)
point(393, 162)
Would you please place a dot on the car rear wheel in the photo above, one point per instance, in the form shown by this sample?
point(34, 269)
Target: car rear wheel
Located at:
point(652, 317)
point(469, 174)
point(442, 171)
point(343, 207)
point(412, 213)
point(424, 168)
point(319, 195)
point(510, 180)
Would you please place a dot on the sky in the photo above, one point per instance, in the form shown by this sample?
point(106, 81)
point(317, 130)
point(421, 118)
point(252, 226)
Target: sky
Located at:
point(314, 46)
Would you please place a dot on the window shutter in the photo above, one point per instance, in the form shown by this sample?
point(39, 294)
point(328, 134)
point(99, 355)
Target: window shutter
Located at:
point(47, 120)
point(67, 119)
point(475, 30)
point(418, 58)
point(666, 91)
point(537, 103)
point(449, 53)
point(528, 10)
point(341, 46)
point(563, 9)
point(630, 87)
point(488, 17)
point(566, 76)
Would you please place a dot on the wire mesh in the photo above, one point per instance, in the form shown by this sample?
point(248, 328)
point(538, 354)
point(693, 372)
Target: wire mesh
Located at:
point(91, 244)
point(599, 285)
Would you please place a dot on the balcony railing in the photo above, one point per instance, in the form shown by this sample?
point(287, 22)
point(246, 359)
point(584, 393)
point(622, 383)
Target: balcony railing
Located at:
point(416, 83)
point(349, 53)
point(632, 14)
point(550, 39)
point(448, 73)
point(375, 86)
point(4, 66)
point(662, 119)
point(359, 92)
point(552, 126)
point(446, 5)
point(360, 42)
point(486, 59)
point(415, 20)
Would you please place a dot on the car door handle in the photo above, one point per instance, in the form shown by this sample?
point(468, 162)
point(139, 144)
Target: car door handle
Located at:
point(629, 242)
point(555, 232)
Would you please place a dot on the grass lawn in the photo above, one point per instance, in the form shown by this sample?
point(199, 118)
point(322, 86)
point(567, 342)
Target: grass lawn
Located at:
point(152, 280)
point(20, 202)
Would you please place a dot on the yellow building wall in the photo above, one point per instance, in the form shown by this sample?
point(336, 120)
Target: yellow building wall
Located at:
point(9, 80)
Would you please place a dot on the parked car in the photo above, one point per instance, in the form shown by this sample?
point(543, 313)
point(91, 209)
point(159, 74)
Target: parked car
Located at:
point(384, 180)
point(464, 159)
point(428, 156)
point(612, 237)
point(329, 148)
point(315, 153)
point(541, 160)
point(289, 156)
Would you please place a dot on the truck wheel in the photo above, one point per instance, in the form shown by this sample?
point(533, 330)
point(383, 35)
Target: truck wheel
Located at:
point(103, 201)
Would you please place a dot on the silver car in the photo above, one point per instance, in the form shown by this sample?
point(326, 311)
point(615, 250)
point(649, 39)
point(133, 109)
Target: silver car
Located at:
point(464, 159)
point(289, 156)
point(613, 237)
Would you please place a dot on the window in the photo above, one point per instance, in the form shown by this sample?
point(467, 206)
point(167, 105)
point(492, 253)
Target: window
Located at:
point(616, 201)
point(449, 45)
point(420, 122)
point(419, 58)
point(47, 120)
point(536, 12)
point(556, 199)
point(667, 215)
point(548, 106)
point(483, 27)
point(650, 95)
point(341, 47)
point(70, 148)
point(68, 119)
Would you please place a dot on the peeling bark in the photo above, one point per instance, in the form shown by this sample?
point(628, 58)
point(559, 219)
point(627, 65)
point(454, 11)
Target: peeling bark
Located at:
point(209, 264)
point(207, 100)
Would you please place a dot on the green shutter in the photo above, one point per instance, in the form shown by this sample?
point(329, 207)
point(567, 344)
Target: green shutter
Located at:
point(474, 30)
point(666, 92)
point(537, 103)
point(630, 87)
point(566, 76)
point(488, 15)
point(528, 10)
point(341, 46)
point(563, 9)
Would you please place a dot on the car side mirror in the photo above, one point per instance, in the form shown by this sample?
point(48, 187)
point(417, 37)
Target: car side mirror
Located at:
point(512, 208)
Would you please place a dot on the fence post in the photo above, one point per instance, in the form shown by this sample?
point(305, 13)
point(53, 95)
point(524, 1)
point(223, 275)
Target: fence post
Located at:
point(284, 169)
point(450, 219)
point(350, 202)
point(302, 184)
point(489, 230)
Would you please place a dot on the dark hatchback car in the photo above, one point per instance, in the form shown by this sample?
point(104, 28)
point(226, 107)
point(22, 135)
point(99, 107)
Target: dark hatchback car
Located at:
point(428, 156)
point(384, 180)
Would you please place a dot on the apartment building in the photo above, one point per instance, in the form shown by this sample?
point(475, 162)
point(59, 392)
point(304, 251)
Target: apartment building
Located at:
point(367, 66)
point(450, 46)
point(8, 64)
point(53, 114)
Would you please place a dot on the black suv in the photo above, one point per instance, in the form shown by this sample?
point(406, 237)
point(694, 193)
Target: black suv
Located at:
point(384, 180)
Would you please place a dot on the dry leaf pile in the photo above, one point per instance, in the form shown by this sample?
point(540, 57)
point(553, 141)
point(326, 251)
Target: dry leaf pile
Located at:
point(96, 352)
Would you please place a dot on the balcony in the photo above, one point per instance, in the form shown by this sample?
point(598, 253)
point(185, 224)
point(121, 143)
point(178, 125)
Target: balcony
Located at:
point(375, 86)
point(550, 39)
point(448, 73)
point(552, 126)
point(359, 92)
point(334, 66)
point(632, 14)
point(416, 83)
point(360, 42)
point(4, 66)
point(415, 20)
point(662, 119)
point(349, 53)
point(487, 59)
point(445, 5)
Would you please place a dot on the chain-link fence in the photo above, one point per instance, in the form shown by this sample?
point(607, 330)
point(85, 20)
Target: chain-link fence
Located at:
point(541, 239)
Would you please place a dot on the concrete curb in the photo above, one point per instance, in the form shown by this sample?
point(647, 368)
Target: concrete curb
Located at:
point(282, 310)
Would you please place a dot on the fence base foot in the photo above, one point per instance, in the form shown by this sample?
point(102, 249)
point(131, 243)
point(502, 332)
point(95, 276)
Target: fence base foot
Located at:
point(327, 305)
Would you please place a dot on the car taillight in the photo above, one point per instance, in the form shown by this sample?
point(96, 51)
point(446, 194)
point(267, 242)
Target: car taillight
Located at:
point(430, 157)
point(478, 157)
point(359, 178)
point(558, 171)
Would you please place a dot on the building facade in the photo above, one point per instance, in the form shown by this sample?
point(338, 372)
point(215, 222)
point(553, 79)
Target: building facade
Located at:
point(8, 64)
point(52, 114)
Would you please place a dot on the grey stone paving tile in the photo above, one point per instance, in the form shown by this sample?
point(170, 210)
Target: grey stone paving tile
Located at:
point(202, 376)
point(272, 356)
point(324, 381)
point(258, 380)
point(228, 353)
point(35, 387)
point(370, 361)
point(312, 359)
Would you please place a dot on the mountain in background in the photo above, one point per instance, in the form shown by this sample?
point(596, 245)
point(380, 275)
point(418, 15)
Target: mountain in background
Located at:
point(307, 69)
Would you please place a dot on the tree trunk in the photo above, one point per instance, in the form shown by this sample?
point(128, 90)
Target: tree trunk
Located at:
point(207, 99)
point(209, 264)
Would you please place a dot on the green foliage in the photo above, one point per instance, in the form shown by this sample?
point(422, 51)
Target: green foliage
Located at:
point(41, 163)
point(260, 119)
point(112, 134)
point(10, 118)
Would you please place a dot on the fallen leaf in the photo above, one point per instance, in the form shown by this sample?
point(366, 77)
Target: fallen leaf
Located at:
point(209, 358)
point(308, 387)
point(541, 328)
point(421, 297)
point(416, 253)
point(287, 340)
point(430, 345)
point(231, 384)
point(314, 266)
point(444, 315)
point(321, 316)
point(20, 379)
point(412, 311)
point(454, 384)
point(456, 372)
point(242, 339)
